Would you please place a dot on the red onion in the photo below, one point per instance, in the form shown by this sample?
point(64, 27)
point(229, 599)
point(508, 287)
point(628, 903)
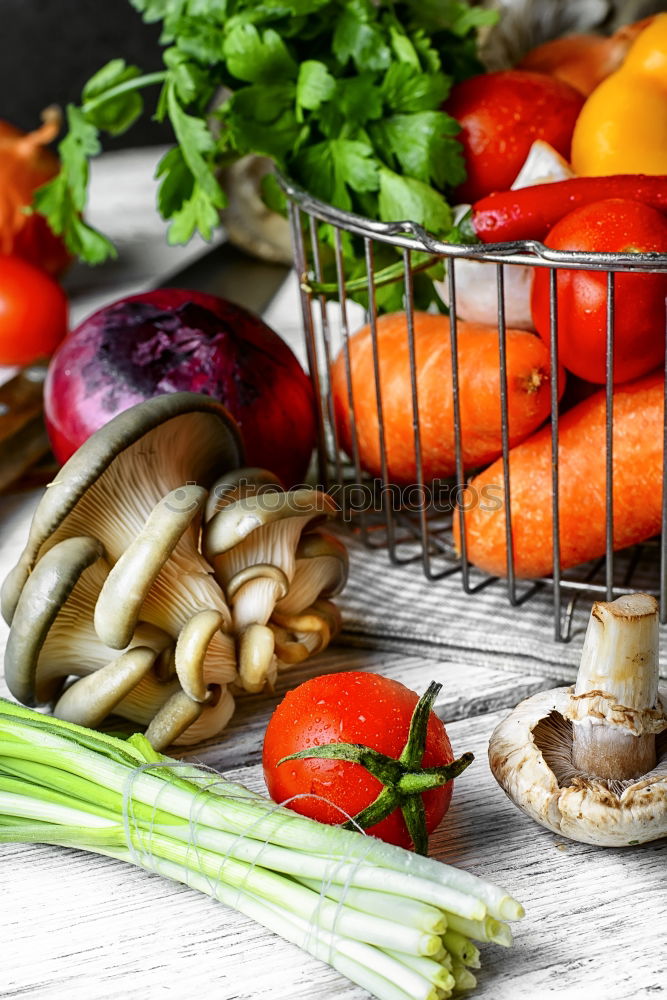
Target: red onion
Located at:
point(170, 340)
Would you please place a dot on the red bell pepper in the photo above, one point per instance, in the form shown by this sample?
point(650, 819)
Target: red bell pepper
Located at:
point(530, 213)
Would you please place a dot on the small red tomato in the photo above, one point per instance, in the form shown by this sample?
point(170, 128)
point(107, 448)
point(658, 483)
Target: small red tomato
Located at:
point(616, 225)
point(33, 312)
point(362, 709)
point(501, 115)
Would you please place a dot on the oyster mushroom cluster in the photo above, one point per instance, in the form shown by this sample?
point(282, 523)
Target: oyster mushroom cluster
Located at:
point(590, 762)
point(160, 577)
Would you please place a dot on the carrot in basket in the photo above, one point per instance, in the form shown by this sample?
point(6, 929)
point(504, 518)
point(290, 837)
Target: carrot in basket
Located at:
point(637, 482)
point(528, 392)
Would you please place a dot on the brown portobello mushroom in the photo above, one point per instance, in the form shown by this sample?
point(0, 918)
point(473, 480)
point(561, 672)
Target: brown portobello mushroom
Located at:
point(590, 762)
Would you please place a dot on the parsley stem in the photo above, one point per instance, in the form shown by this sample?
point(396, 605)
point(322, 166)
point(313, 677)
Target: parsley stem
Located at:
point(136, 83)
point(386, 276)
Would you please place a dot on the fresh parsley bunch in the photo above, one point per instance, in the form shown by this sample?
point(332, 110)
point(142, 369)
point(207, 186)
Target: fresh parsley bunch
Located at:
point(343, 95)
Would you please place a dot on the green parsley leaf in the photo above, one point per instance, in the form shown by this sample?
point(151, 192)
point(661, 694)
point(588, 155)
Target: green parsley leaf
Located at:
point(62, 199)
point(196, 214)
point(356, 101)
point(200, 38)
point(195, 141)
point(89, 244)
point(430, 57)
point(422, 144)
point(177, 183)
point(157, 10)
point(402, 47)
point(408, 199)
point(116, 114)
point(262, 119)
point(314, 85)
point(56, 202)
point(257, 58)
point(80, 143)
point(357, 37)
point(287, 8)
point(330, 168)
point(406, 89)
point(190, 80)
point(451, 15)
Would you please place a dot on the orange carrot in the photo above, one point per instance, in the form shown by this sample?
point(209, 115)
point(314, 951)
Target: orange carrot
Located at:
point(637, 484)
point(528, 394)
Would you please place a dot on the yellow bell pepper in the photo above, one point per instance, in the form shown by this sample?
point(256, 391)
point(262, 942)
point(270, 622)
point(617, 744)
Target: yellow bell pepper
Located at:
point(622, 127)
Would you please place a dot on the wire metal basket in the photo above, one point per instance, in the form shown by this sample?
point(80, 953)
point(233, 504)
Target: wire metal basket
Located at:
point(421, 531)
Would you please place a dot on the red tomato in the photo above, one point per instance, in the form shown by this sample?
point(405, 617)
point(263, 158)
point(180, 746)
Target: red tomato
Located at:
point(616, 225)
point(353, 707)
point(33, 312)
point(501, 115)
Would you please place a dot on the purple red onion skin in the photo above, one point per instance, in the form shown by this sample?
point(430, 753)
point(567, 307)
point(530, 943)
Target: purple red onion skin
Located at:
point(171, 340)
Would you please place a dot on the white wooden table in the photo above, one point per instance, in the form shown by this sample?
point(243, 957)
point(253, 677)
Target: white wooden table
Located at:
point(88, 928)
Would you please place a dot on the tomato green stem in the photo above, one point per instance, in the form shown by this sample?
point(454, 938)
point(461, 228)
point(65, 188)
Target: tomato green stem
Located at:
point(416, 782)
point(404, 780)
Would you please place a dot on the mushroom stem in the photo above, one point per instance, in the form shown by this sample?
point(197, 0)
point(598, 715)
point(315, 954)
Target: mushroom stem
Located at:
point(617, 690)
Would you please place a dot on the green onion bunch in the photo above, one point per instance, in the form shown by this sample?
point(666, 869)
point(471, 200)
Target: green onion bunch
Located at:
point(399, 925)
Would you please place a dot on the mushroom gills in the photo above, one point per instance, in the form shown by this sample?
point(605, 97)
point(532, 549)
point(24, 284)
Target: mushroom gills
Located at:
point(321, 571)
point(119, 604)
point(55, 583)
point(299, 636)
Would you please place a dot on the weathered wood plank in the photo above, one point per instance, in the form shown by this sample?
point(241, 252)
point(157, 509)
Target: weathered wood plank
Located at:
point(93, 929)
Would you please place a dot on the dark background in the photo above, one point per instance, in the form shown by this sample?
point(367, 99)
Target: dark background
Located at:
point(49, 48)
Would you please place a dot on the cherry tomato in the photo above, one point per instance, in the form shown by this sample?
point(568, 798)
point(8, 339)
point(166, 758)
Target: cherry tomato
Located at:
point(501, 115)
point(33, 312)
point(615, 225)
point(358, 708)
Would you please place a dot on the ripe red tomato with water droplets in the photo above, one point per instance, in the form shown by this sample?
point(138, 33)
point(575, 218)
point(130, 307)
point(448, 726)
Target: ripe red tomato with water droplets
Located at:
point(501, 115)
point(615, 225)
point(352, 707)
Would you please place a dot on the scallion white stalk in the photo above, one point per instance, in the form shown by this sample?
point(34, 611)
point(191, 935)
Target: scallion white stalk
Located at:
point(376, 913)
point(430, 969)
point(488, 929)
point(461, 948)
point(410, 912)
